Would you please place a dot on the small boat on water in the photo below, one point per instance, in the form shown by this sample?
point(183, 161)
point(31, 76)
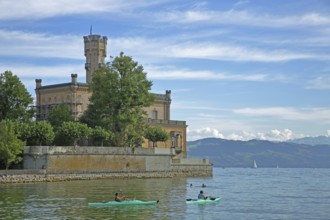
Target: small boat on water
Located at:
point(254, 165)
point(203, 201)
point(125, 202)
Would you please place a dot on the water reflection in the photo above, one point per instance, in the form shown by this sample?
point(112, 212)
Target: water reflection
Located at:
point(69, 199)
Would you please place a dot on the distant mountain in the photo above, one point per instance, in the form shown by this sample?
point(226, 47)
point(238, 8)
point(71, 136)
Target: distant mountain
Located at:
point(230, 153)
point(320, 140)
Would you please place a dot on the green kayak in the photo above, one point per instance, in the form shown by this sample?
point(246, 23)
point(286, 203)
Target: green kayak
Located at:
point(203, 201)
point(125, 202)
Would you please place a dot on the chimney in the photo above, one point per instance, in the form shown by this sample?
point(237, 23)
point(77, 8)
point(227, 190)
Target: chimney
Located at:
point(74, 78)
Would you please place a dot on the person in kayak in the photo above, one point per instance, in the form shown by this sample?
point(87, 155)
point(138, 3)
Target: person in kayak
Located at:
point(119, 198)
point(201, 195)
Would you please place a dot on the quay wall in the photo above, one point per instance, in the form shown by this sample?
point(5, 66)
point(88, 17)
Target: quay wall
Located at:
point(49, 164)
point(40, 175)
point(56, 160)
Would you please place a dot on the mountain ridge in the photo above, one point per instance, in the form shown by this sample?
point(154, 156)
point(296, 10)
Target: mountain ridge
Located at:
point(234, 153)
point(319, 140)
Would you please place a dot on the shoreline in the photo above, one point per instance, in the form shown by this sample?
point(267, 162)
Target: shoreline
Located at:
point(37, 176)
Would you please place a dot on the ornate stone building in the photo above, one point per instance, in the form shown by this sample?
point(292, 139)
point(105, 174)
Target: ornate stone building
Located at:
point(75, 95)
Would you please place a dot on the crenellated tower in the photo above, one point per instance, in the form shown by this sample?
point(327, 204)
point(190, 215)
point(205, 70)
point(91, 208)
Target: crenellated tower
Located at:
point(95, 53)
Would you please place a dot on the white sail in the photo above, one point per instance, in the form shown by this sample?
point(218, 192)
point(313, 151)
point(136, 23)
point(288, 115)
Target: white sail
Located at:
point(255, 164)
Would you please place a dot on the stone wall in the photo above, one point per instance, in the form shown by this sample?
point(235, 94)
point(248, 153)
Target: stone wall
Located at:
point(96, 159)
point(49, 164)
point(192, 167)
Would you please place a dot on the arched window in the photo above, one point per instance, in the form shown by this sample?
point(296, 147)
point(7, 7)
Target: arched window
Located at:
point(154, 114)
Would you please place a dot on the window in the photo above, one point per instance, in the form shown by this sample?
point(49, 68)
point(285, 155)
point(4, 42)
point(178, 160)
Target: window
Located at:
point(154, 114)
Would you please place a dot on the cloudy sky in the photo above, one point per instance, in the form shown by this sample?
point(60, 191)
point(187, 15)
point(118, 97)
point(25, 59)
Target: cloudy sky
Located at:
point(238, 70)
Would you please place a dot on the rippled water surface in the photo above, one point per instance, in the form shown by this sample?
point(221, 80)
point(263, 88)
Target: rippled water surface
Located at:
point(246, 194)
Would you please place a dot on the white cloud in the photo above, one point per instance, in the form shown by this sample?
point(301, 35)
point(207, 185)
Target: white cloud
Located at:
point(177, 74)
point(303, 114)
point(241, 3)
point(244, 17)
point(19, 43)
point(319, 83)
point(39, 9)
point(214, 51)
point(328, 133)
point(273, 135)
point(213, 132)
point(60, 71)
point(204, 133)
point(174, 48)
point(26, 44)
point(277, 135)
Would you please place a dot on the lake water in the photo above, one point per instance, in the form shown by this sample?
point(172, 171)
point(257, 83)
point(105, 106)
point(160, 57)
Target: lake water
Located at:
point(246, 194)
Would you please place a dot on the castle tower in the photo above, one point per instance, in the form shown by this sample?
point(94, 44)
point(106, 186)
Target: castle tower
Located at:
point(95, 52)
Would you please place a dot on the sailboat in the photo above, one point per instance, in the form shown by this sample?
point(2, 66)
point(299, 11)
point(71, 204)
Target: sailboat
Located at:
point(255, 165)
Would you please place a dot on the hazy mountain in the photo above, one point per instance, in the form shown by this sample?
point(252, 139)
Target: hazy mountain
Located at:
point(229, 153)
point(320, 140)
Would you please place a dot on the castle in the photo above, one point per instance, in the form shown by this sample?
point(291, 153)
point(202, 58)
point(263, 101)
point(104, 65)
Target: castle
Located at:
point(75, 95)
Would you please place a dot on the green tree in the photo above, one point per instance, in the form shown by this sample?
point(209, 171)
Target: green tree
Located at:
point(120, 91)
point(15, 100)
point(100, 135)
point(41, 133)
point(60, 113)
point(70, 132)
point(22, 129)
point(155, 134)
point(10, 146)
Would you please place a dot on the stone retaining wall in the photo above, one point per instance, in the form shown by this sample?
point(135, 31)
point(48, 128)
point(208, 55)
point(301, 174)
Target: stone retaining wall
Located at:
point(51, 164)
point(92, 159)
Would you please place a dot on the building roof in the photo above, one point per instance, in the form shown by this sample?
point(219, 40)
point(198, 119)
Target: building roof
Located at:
point(61, 85)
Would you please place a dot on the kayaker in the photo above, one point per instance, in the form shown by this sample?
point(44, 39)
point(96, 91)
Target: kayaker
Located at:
point(201, 195)
point(119, 198)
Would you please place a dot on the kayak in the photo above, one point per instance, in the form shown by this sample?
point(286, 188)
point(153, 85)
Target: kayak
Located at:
point(203, 201)
point(125, 202)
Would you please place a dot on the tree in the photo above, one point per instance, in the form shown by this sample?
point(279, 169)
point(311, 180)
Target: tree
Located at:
point(22, 129)
point(120, 91)
point(155, 134)
point(60, 113)
point(41, 133)
point(100, 135)
point(14, 98)
point(10, 146)
point(70, 132)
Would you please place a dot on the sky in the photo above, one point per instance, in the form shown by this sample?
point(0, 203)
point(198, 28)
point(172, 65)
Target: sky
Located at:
point(239, 70)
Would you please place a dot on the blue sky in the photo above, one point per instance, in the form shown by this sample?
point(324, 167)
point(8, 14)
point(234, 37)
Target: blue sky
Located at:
point(237, 69)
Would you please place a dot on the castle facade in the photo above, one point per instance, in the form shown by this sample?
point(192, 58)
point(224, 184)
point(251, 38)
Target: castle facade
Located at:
point(75, 95)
